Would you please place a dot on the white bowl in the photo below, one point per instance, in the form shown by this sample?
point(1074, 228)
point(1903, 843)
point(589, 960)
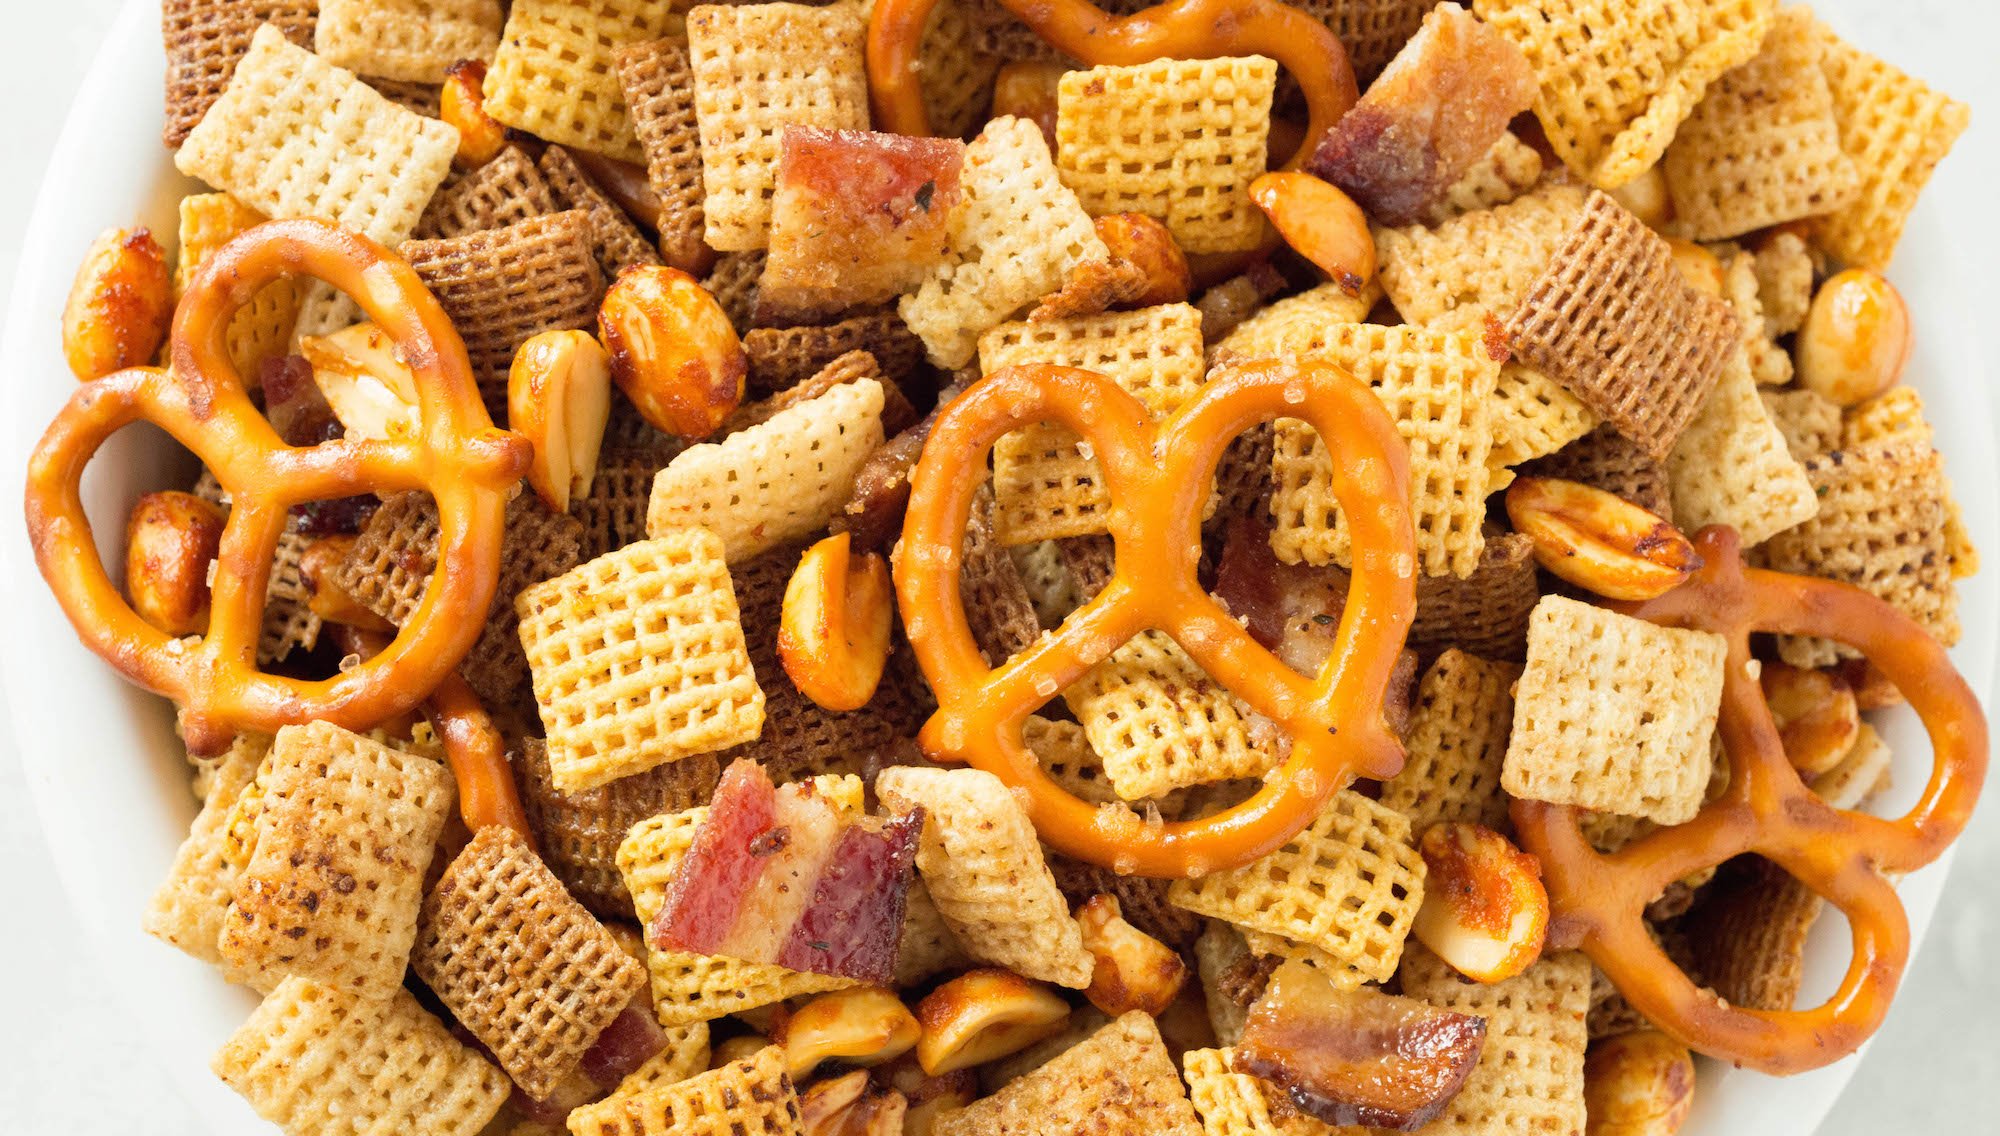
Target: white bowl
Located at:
point(109, 778)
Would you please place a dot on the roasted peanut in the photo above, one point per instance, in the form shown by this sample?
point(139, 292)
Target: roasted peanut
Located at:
point(865, 1025)
point(363, 376)
point(982, 1015)
point(1817, 715)
point(462, 103)
point(673, 350)
point(1322, 224)
point(1145, 244)
point(559, 398)
point(329, 600)
point(1026, 88)
point(1701, 268)
point(1637, 1084)
point(1856, 339)
point(833, 633)
point(1647, 197)
point(1599, 540)
point(120, 304)
point(1485, 911)
point(736, 1049)
point(170, 541)
point(1133, 971)
point(849, 1105)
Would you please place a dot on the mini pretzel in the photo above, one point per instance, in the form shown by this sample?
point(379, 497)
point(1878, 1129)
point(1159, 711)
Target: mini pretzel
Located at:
point(466, 464)
point(1177, 29)
point(1597, 901)
point(1159, 480)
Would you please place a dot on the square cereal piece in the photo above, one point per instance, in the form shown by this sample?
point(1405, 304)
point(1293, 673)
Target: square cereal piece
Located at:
point(206, 39)
point(997, 604)
point(414, 41)
point(1533, 416)
point(1015, 238)
point(853, 367)
point(1762, 148)
point(187, 911)
point(1510, 169)
point(426, 99)
point(1608, 460)
point(638, 659)
point(985, 871)
point(1619, 76)
point(295, 136)
point(261, 330)
point(534, 976)
point(1276, 329)
point(580, 832)
point(1732, 466)
point(1438, 388)
point(1178, 140)
point(782, 357)
point(1896, 130)
point(1456, 742)
point(1487, 612)
point(614, 237)
point(344, 828)
point(1120, 1080)
point(690, 988)
point(777, 481)
point(555, 75)
point(749, 1097)
point(1614, 321)
point(1160, 723)
point(1614, 714)
point(506, 190)
point(659, 90)
point(319, 1062)
point(1530, 1072)
point(1349, 884)
point(1044, 487)
point(1477, 266)
point(759, 68)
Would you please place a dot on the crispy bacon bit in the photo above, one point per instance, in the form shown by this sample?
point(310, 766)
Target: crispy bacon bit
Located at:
point(631, 1040)
point(1357, 1056)
point(1439, 107)
point(858, 890)
point(721, 865)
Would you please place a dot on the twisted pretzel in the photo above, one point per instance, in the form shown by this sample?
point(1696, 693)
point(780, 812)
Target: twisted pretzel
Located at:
point(1597, 900)
point(1159, 480)
point(1177, 29)
point(457, 455)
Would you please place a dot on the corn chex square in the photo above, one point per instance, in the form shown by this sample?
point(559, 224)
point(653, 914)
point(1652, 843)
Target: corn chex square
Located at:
point(295, 136)
point(1119, 1080)
point(187, 910)
point(1479, 264)
point(1179, 140)
point(1349, 884)
point(1044, 486)
point(1530, 1072)
point(638, 659)
point(984, 868)
point(749, 1097)
point(317, 1061)
point(1614, 714)
point(555, 74)
point(1619, 76)
point(261, 330)
point(757, 69)
point(414, 41)
point(958, 75)
point(1457, 740)
point(1732, 466)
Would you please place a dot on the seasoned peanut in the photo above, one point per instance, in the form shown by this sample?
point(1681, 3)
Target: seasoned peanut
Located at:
point(1133, 971)
point(833, 634)
point(982, 1015)
point(365, 380)
point(1599, 540)
point(1026, 88)
point(1323, 224)
point(736, 1049)
point(849, 1105)
point(329, 600)
point(1146, 244)
point(1856, 339)
point(559, 398)
point(1485, 911)
point(1637, 1084)
point(1647, 197)
point(866, 1025)
point(170, 540)
point(1817, 715)
point(462, 103)
point(673, 350)
point(120, 304)
point(1700, 267)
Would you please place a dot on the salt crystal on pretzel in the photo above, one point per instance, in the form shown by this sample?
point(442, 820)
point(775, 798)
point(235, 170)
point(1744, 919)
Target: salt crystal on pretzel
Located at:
point(1614, 714)
point(319, 1061)
point(1808, 421)
point(749, 1097)
point(188, 907)
point(555, 73)
point(1530, 1072)
point(658, 81)
point(1476, 265)
point(262, 329)
point(1121, 1079)
point(580, 832)
point(1618, 76)
point(412, 40)
point(1731, 466)
point(1457, 741)
point(506, 190)
point(617, 241)
point(782, 357)
point(206, 39)
point(295, 136)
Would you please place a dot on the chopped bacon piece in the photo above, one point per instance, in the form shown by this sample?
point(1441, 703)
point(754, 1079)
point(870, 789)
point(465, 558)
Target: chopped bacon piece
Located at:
point(632, 1038)
point(857, 891)
point(723, 863)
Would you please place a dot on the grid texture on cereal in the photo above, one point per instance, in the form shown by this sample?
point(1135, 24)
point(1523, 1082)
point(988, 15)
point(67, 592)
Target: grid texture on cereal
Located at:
point(1044, 485)
point(1477, 265)
point(1614, 321)
point(1748, 936)
point(533, 975)
point(261, 330)
point(733, 280)
point(998, 606)
point(782, 357)
point(1064, 750)
point(638, 659)
point(555, 75)
point(343, 831)
point(1732, 466)
point(1016, 235)
point(1770, 364)
point(614, 238)
point(1237, 1104)
point(1807, 420)
point(289, 623)
point(294, 136)
point(1459, 724)
point(1614, 714)
point(206, 39)
point(1487, 612)
point(852, 367)
point(1120, 1079)
point(1510, 169)
point(1530, 1072)
point(317, 1061)
point(415, 41)
point(1618, 77)
point(749, 1097)
point(613, 513)
point(506, 190)
point(426, 99)
point(757, 69)
point(187, 909)
point(777, 481)
point(685, 1055)
point(984, 868)
point(1176, 140)
point(957, 74)
point(659, 89)
point(1349, 885)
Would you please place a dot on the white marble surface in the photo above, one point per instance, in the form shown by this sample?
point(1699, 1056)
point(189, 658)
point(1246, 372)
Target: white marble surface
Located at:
point(70, 1063)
